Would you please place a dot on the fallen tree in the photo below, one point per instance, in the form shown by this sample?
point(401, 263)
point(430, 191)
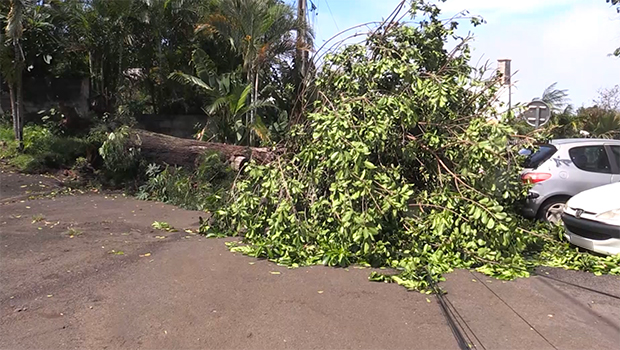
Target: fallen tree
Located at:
point(164, 149)
point(403, 163)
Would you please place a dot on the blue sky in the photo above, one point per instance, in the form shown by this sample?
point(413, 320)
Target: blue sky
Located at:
point(563, 41)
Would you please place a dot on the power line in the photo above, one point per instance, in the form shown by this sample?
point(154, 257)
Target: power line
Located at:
point(332, 15)
point(578, 286)
point(515, 312)
point(452, 307)
point(450, 318)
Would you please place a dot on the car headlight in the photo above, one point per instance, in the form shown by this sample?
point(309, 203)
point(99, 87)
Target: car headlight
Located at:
point(612, 215)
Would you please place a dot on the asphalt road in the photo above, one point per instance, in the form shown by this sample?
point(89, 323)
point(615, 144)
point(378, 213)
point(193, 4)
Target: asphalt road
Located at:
point(88, 271)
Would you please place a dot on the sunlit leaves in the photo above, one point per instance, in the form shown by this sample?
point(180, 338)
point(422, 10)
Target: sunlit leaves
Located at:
point(404, 164)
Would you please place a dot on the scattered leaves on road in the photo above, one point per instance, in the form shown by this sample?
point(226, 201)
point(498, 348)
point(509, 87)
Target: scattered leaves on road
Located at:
point(73, 232)
point(163, 226)
point(37, 218)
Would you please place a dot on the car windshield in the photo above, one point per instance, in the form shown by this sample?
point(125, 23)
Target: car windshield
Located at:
point(543, 153)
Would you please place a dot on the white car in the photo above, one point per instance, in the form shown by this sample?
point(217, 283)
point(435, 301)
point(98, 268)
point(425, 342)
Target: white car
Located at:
point(592, 219)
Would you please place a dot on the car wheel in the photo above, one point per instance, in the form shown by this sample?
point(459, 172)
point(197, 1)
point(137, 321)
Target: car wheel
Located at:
point(552, 211)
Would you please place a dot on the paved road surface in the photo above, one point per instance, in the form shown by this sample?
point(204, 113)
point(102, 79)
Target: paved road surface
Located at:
point(179, 290)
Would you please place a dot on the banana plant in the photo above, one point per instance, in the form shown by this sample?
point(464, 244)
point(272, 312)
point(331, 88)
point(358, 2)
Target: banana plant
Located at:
point(228, 104)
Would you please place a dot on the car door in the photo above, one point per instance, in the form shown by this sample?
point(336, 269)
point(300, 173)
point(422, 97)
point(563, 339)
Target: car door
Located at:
point(593, 167)
point(614, 157)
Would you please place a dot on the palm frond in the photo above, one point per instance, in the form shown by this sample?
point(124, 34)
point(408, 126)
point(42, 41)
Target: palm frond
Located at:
point(190, 80)
point(556, 99)
point(216, 106)
point(241, 102)
point(14, 27)
point(204, 66)
point(259, 104)
point(260, 129)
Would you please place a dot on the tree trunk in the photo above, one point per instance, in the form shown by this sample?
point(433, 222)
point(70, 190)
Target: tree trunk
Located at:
point(254, 99)
point(120, 63)
point(91, 70)
point(171, 150)
point(1, 110)
point(13, 109)
point(248, 116)
point(18, 117)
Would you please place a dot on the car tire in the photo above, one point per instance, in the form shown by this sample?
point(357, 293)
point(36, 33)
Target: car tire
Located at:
point(551, 210)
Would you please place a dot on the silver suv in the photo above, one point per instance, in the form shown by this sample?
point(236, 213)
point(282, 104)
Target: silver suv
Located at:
point(562, 168)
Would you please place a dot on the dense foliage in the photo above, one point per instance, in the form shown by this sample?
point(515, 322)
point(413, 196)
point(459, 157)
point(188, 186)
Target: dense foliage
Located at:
point(128, 49)
point(204, 188)
point(403, 164)
point(45, 150)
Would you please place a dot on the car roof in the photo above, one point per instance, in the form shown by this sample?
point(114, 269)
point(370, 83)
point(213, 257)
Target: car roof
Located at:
point(583, 141)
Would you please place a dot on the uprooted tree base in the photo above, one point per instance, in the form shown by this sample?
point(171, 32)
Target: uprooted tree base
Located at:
point(164, 149)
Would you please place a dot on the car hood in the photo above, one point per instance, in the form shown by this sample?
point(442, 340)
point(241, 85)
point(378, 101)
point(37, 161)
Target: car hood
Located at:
point(597, 200)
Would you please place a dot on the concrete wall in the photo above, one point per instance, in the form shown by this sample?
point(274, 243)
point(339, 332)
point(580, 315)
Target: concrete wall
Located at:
point(43, 95)
point(184, 126)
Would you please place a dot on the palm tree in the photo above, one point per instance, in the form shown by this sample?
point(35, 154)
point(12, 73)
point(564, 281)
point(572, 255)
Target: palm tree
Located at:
point(229, 102)
point(260, 30)
point(14, 31)
point(600, 122)
point(556, 99)
point(104, 31)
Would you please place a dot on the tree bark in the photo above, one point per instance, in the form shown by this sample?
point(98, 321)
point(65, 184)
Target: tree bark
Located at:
point(13, 107)
point(186, 153)
point(18, 116)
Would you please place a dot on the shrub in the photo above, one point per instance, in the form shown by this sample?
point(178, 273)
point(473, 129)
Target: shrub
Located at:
point(202, 189)
point(43, 150)
point(121, 156)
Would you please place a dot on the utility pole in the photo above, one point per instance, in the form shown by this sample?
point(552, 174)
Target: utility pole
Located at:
point(302, 49)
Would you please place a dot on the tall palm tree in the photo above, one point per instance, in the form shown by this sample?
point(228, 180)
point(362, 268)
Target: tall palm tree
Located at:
point(14, 31)
point(555, 98)
point(104, 31)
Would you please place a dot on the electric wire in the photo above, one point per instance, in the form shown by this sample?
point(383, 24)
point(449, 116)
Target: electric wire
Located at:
point(332, 15)
point(514, 311)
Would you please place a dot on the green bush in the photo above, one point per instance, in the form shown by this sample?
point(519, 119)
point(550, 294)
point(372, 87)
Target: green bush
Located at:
point(202, 189)
point(122, 159)
point(44, 150)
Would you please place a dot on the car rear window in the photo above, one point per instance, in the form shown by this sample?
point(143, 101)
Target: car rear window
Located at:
point(543, 153)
